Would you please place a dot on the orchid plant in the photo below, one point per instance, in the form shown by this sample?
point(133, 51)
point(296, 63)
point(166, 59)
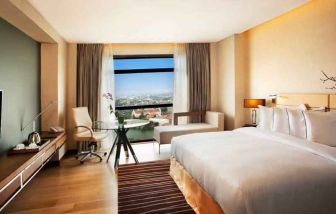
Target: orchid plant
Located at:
point(109, 98)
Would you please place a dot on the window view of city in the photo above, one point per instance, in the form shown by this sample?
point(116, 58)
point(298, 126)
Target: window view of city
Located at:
point(144, 99)
point(144, 90)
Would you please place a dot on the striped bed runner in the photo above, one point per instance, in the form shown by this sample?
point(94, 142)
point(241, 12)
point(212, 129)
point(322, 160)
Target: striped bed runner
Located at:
point(147, 188)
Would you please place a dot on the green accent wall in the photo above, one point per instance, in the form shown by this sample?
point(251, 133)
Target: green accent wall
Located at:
point(20, 82)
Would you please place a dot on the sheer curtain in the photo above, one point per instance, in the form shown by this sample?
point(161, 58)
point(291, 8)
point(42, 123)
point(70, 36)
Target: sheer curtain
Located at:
point(107, 84)
point(180, 101)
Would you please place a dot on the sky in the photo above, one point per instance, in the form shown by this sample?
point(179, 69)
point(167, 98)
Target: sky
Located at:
point(122, 64)
point(143, 83)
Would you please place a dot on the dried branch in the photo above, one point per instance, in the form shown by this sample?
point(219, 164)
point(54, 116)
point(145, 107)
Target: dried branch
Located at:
point(327, 79)
point(332, 88)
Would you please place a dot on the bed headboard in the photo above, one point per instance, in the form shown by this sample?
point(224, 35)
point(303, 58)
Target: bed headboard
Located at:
point(311, 100)
point(332, 103)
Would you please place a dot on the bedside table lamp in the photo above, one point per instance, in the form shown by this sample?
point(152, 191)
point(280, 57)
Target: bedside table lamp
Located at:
point(253, 103)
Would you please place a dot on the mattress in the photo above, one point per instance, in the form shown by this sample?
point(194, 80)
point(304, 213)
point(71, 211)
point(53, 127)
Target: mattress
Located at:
point(250, 170)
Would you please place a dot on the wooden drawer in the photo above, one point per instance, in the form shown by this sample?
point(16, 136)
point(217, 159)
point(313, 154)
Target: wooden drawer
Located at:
point(60, 142)
point(8, 191)
point(49, 152)
point(31, 169)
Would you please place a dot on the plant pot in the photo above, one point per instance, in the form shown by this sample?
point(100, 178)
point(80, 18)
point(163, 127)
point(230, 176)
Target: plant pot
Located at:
point(121, 120)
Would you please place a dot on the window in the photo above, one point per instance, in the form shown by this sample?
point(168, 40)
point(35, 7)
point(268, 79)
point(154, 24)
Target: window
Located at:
point(144, 88)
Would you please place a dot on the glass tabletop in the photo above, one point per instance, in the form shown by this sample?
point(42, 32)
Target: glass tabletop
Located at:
point(129, 123)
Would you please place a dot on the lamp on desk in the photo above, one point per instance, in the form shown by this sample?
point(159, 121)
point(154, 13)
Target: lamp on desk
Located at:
point(254, 103)
point(33, 121)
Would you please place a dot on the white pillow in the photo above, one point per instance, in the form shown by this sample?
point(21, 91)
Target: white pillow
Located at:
point(297, 123)
point(302, 107)
point(265, 118)
point(280, 121)
point(321, 127)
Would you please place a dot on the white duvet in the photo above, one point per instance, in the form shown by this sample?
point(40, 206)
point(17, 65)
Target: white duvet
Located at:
point(250, 170)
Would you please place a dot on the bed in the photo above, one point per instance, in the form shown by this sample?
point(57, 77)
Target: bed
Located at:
point(251, 170)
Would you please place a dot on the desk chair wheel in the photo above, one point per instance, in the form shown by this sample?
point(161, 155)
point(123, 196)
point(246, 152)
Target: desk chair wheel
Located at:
point(82, 162)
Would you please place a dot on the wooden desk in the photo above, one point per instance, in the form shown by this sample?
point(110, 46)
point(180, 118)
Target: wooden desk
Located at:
point(17, 170)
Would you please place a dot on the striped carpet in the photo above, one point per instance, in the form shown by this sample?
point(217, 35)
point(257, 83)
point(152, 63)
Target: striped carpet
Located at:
point(147, 188)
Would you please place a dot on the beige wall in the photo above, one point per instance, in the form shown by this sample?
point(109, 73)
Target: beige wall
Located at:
point(53, 84)
point(213, 77)
point(285, 54)
point(62, 82)
point(148, 48)
point(71, 91)
point(242, 115)
point(288, 53)
point(223, 79)
point(229, 80)
point(49, 84)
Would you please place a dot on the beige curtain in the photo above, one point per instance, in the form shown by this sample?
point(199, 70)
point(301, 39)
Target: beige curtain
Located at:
point(89, 66)
point(198, 70)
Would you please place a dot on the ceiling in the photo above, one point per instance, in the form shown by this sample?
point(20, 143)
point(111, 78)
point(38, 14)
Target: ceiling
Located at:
point(152, 21)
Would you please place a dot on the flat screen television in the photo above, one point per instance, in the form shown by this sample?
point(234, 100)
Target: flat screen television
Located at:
point(0, 110)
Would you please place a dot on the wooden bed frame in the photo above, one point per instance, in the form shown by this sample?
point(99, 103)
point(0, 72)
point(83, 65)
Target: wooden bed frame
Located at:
point(196, 196)
point(332, 101)
point(311, 100)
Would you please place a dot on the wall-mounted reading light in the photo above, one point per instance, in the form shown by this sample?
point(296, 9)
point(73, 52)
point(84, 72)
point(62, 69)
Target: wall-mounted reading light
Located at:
point(273, 98)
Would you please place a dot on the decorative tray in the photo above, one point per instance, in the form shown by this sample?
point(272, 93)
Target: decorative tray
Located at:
point(29, 150)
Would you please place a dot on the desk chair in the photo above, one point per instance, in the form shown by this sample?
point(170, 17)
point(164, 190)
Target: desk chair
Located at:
point(84, 133)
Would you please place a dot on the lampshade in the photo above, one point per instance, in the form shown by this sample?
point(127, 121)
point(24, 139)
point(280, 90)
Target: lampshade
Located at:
point(253, 103)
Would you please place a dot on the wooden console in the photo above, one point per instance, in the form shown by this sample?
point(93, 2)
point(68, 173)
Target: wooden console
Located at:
point(17, 170)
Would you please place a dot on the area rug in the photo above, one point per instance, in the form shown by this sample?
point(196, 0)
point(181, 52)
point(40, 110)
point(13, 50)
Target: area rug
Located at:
point(147, 188)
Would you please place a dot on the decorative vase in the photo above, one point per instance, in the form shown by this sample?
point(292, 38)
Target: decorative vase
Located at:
point(121, 120)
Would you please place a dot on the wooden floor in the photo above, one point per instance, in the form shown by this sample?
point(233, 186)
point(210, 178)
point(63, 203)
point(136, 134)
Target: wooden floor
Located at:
point(76, 188)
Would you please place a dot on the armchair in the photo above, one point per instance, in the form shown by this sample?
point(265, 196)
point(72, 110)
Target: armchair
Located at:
point(214, 121)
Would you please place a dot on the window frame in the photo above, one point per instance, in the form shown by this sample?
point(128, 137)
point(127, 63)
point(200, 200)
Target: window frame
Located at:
point(151, 70)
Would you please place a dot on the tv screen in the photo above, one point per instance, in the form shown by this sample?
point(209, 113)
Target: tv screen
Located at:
point(0, 109)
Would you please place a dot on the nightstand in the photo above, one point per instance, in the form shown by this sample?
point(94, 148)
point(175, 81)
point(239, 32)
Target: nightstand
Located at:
point(250, 125)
